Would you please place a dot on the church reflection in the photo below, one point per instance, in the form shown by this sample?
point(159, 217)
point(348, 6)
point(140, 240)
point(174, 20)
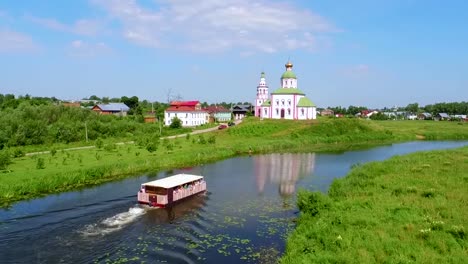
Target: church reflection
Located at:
point(282, 169)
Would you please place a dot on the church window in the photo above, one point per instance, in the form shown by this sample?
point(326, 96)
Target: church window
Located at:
point(266, 111)
point(277, 102)
point(289, 102)
point(302, 111)
point(282, 101)
point(277, 111)
point(289, 111)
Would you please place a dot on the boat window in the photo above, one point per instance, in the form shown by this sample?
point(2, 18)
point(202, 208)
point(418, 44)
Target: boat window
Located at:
point(156, 190)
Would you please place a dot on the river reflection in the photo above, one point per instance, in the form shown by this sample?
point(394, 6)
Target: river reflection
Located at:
point(282, 169)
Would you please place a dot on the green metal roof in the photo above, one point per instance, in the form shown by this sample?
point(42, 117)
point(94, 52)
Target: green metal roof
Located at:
point(288, 74)
point(262, 75)
point(305, 102)
point(288, 91)
point(266, 103)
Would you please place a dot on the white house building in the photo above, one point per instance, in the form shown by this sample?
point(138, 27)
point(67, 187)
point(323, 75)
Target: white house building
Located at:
point(286, 102)
point(189, 112)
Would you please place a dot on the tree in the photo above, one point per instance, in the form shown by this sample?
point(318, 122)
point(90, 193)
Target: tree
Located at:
point(131, 102)
point(413, 108)
point(175, 123)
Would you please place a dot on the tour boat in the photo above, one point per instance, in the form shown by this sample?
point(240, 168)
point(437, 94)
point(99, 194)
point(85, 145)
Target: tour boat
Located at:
point(166, 191)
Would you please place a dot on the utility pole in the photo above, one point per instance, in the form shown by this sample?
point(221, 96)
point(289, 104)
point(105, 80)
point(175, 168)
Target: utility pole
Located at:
point(86, 131)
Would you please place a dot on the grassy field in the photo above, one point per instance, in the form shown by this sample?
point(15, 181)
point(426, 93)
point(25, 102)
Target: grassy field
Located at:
point(408, 209)
point(34, 176)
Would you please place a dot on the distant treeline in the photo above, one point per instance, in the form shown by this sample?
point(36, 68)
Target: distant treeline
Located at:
point(454, 108)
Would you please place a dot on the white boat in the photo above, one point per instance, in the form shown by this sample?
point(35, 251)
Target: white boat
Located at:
point(166, 191)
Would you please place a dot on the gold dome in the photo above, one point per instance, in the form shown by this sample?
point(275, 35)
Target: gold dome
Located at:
point(288, 64)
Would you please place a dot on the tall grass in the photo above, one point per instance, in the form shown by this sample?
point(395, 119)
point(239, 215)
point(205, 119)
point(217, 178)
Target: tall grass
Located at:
point(408, 209)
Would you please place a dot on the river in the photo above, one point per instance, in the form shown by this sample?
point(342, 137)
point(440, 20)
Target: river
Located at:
point(243, 218)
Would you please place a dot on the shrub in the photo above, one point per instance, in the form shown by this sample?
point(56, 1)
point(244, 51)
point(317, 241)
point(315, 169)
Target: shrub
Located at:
point(151, 147)
point(53, 152)
point(312, 202)
point(99, 143)
point(176, 123)
point(40, 164)
point(109, 147)
point(201, 139)
point(18, 153)
point(5, 159)
point(212, 139)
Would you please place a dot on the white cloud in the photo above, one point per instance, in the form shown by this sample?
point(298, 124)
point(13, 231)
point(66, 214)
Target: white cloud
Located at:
point(84, 27)
point(80, 48)
point(213, 25)
point(12, 41)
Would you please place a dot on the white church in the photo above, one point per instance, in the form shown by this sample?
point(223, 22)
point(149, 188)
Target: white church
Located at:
point(287, 102)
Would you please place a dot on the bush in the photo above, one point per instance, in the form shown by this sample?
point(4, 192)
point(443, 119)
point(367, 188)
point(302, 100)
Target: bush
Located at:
point(212, 139)
point(5, 159)
point(312, 202)
point(40, 164)
point(151, 147)
point(53, 152)
point(110, 147)
point(18, 153)
point(99, 143)
point(176, 123)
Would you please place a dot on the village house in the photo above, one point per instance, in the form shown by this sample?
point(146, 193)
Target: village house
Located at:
point(119, 109)
point(441, 116)
point(327, 112)
point(241, 110)
point(366, 113)
point(424, 116)
point(218, 114)
point(286, 102)
point(189, 112)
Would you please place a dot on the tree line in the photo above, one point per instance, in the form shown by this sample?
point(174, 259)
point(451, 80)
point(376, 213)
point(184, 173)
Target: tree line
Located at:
point(452, 108)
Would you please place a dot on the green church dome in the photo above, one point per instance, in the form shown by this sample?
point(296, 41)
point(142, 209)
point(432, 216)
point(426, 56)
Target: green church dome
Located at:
point(288, 74)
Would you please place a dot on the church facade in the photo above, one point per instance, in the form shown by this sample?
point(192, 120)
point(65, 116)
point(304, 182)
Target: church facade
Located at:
point(286, 102)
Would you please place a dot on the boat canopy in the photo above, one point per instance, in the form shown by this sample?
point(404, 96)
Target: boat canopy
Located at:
point(173, 181)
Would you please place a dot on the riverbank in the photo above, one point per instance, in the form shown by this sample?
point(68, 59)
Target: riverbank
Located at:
point(408, 209)
point(58, 171)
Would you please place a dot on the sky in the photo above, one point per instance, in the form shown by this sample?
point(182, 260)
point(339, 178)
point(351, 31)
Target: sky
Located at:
point(359, 52)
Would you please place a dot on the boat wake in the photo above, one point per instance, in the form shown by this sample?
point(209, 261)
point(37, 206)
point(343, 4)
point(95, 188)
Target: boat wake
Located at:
point(113, 223)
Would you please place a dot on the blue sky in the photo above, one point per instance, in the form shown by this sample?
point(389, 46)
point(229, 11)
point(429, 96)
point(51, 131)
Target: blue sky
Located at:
point(357, 52)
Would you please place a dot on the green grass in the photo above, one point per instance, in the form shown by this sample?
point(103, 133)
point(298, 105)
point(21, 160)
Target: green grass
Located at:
point(69, 170)
point(408, 209)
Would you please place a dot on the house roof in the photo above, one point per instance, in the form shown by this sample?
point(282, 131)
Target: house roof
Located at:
point(174, 181)
point(305, 102)
point(426, 114)
point(245, 107)
point(216, 109)
point(288, 91)
point(444, 115)
point(184, 103)
point(113, 107)
point(183, 109)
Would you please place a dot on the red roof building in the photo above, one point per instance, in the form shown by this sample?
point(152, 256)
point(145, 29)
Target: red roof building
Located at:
point(189, 112)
